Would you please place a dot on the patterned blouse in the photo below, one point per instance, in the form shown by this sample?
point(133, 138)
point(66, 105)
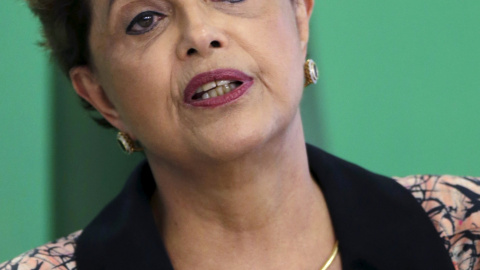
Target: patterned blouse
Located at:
point(451, 202)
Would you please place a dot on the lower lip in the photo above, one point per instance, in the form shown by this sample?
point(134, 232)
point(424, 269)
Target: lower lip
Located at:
point(224, 99)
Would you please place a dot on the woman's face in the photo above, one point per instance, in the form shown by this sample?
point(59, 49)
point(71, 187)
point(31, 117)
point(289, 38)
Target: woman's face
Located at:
point(151, 56)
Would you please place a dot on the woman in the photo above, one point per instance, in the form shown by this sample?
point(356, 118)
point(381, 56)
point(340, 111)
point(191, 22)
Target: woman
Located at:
point(210, 90)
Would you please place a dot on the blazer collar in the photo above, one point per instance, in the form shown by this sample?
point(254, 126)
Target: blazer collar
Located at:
point(124, 235)
point(377, 222)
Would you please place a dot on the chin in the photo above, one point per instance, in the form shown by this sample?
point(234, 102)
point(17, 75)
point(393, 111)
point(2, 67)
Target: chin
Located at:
point(231, 146)
point(236, 142)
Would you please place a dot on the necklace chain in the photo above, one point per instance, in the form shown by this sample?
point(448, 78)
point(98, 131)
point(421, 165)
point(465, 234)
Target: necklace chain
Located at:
point(332, 257)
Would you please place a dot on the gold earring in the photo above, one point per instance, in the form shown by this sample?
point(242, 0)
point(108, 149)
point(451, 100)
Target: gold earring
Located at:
point(126, 143)
point(311, 72)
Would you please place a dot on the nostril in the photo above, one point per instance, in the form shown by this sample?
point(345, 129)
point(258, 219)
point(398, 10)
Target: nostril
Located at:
point(215, 44)
point(191, 51)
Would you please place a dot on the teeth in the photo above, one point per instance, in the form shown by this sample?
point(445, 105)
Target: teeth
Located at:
point(227, 88)
point(213, 93)
point(215, 89)
point(220, 90)
point(224, 82)
point(209, 86)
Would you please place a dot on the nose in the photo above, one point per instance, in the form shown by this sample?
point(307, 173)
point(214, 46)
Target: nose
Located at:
point(199, 35)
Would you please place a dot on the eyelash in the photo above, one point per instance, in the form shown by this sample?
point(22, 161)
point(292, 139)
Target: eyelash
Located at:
point(230, 1)
point(156, 17)
point(234, 1)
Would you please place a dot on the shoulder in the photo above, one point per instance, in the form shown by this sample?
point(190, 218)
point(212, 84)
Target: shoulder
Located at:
point(453, 205)
point(58, 254)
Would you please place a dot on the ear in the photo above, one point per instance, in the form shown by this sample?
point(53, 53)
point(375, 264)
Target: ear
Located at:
point(303, 10)
point(87, 86)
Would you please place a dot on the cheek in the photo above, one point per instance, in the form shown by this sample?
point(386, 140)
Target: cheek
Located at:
point(282, 52)
point(140, 87)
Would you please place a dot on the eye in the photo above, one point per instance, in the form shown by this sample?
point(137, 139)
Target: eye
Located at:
point(144, 22)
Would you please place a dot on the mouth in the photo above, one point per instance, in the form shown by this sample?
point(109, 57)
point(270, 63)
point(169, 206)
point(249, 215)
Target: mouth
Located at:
point(217, 87)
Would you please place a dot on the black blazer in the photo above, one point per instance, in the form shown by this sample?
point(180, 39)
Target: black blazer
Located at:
point(378, 223)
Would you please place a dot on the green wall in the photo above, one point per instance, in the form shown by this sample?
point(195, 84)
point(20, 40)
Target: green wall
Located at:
point(25, 117)
point(400, 84)
point(89, 167)
point(58, 168)
point(398, 94)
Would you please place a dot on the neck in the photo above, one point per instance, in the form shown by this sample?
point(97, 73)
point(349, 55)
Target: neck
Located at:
point(244, 202)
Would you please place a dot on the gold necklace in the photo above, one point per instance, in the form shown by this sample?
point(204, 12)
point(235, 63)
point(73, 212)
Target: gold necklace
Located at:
point(332, 257)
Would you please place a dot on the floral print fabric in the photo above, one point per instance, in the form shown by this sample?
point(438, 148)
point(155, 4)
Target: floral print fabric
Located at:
point(453, 205)
point(54, 255)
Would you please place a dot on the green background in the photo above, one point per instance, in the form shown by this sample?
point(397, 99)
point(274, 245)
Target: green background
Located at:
point(398, 94)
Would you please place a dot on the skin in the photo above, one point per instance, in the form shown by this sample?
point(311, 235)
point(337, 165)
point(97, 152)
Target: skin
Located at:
point(231, 179)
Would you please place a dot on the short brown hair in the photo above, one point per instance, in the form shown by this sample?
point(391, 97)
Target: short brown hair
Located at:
point(66, 28)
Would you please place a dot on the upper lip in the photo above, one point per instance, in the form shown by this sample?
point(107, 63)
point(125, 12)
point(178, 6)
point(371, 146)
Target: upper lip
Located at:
point(214, 75)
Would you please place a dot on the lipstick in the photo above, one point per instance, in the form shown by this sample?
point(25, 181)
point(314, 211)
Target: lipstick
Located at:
point(217, 87)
